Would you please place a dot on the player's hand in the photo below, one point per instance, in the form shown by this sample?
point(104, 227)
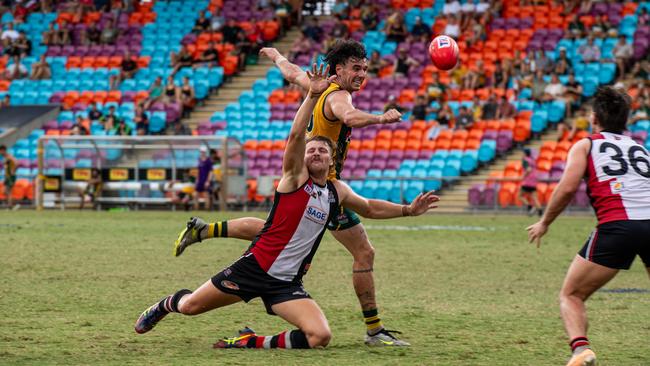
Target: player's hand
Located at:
point(423, 203)
point(318, 79)
point(270, 52)
point(536, 231)
point(391, 116)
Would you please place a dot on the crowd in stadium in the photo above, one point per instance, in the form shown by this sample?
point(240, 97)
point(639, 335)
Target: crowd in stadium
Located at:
point(524, 67)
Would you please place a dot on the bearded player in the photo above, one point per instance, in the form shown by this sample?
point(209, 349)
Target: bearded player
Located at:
point(334, 116)
point(617, 172)
point(273, 266)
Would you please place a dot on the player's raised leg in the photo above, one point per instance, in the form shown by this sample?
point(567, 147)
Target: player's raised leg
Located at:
point(205, 298)
point(355, 240)
point(196, 230)
point(313, 330)
point(582, 280)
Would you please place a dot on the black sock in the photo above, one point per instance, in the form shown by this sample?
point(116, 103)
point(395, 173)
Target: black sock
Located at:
point(170, 303)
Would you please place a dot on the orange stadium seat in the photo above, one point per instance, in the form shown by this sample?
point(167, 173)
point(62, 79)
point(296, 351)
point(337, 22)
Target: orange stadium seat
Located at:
point(428, 145)
point(279, 145)
point(413, 144)
point(355, 144)
point(114, 96)
point(473, 144)
point(383, 144)
point(384, 135)
point(264, 145)
point(398, 144)
point(368, 145)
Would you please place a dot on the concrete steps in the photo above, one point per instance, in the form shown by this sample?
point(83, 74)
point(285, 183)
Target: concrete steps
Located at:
point(231, 89)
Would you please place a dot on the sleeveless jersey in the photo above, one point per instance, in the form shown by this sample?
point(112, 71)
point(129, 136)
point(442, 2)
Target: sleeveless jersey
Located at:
point(9, 166)
point(618, 178)
point(292, 232)
point(336, 130)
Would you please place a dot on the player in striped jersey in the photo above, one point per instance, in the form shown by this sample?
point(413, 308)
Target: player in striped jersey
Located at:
point(306, 200)
point(334, 116)
point(617, 172)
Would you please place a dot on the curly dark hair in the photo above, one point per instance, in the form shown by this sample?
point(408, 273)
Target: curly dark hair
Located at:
point(342, 51)
point(612, 108)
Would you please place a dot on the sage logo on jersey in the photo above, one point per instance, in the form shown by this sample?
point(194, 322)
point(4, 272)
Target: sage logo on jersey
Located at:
point(316, 215)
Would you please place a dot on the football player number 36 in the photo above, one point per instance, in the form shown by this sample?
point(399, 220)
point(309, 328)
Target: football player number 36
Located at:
point(637, 156)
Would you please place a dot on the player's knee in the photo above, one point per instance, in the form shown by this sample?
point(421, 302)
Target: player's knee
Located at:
point(319, 338)
point(189, 306)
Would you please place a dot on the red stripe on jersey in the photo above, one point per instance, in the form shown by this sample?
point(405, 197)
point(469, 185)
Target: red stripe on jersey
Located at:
point(281, 342)
point(284, 222)
point(608, 206)
point(597, 136)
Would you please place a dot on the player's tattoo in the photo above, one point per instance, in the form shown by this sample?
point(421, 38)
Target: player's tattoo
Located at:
point(368, 270)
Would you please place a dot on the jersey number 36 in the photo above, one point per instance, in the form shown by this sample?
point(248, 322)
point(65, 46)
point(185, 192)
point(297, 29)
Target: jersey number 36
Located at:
point(637, 156)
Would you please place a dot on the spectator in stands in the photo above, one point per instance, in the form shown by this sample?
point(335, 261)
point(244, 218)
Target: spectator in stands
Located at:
point(392, 104)
point(215, 183)
point(64, 34)
point(93, 188)
point(93, 34)
point(300, 46)
point(404, 63)
point(452, 29)
point(141, 121)
point(541, 62)
point(420, 31)
point(475, 32)
point(490, 107)
point(477, 108)
point(369, 17)
point(572, 94)
point(16, 70)
point(554, 90)
point(22, 46)
point(642, 112)
point(499, 78)
point(451, 8)
point(340, 9)
point(94, 114)
point(128, 68)
point(217, 20)
point(41, 69)
point(475, 79)
point(209, 57)
point(643, 18)
point(50, 37)
point(188, 97)
point(110, 33)
point(589, 51)
point(538, 86)
point(283, 10)
point(420, 108)
point(528, 191)
point(230, 31)
point(395, 28)
point(505, 109)
point(181, 59)
point(111, 119)
point(203, 179)
point(243, 48)
point(10, 165)
point(623, 53)
point(641, 70)
point(601, 27)
point(6, 101)
point(313, 31)
point(9, 35)
point(202, 24)
point(172, 92)
point(375, 64)
point(465, 119)
point(445, 115)
point(122, 129)
point(79, 128)
point(339, 31)
point(576, 27)
point(563, 64)
point(155, 93)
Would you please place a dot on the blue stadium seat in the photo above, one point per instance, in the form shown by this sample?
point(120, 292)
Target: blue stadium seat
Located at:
point(487, 150)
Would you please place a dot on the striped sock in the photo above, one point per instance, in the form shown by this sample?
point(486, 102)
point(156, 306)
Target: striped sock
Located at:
point(217, 229)
point(170, 303)
point(373, 323)
point(289, 339)
point(579, 344)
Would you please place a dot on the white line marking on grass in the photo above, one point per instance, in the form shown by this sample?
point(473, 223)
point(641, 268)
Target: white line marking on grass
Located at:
point(430, 228)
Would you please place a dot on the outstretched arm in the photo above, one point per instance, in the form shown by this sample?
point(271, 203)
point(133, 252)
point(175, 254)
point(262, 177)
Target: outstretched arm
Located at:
point(341, 105)
point(293, 162)
point(292, 72)
point(380, 209)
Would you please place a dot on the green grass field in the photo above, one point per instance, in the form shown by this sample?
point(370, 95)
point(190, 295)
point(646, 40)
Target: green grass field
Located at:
point(73, 284)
